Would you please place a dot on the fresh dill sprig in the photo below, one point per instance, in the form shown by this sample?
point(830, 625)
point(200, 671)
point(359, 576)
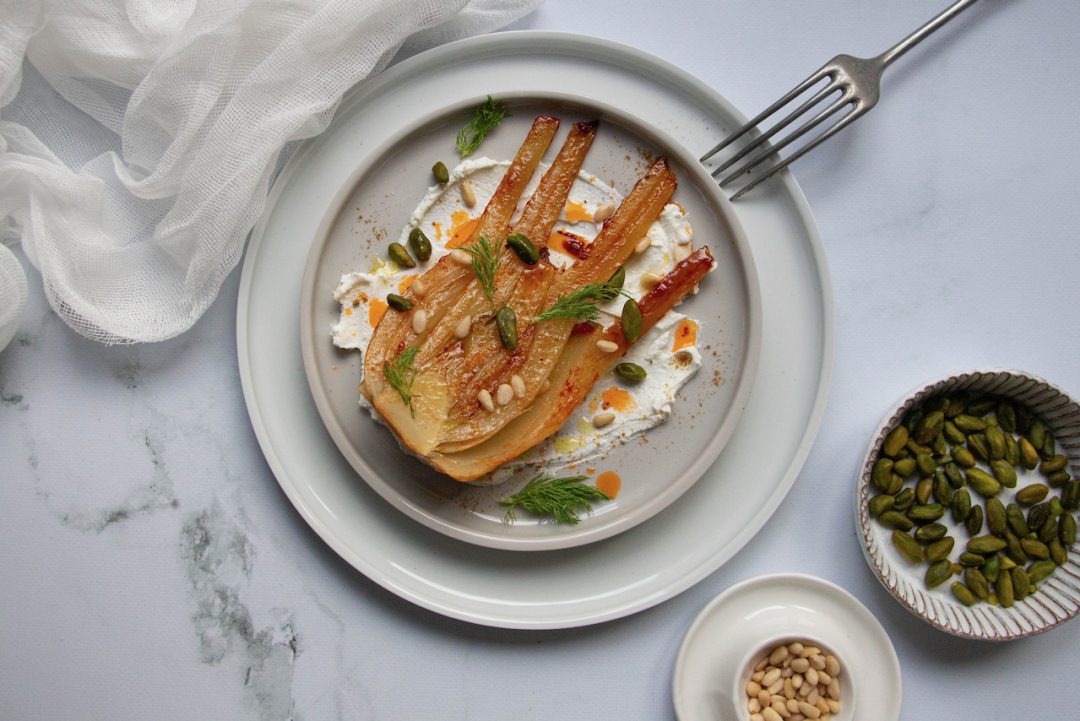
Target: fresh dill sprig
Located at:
point(484, 119)
point(400, 375)
point(485, 259)
point(581, 304)
point(559, 497)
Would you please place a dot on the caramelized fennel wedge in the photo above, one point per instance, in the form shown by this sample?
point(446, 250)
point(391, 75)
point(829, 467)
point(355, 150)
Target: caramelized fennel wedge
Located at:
point(539, 348)
point(446, 280)
point(523, 288)
point(578, 368)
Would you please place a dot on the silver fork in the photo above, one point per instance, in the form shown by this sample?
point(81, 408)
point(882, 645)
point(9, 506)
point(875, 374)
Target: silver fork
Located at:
point(857, 80)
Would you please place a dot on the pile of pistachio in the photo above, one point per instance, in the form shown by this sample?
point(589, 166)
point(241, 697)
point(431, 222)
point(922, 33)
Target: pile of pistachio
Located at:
point(950, 454)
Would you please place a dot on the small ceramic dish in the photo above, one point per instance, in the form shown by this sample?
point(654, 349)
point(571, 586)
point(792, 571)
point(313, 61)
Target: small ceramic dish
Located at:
point(734, 631)
point(1058, 596)
point(740, 694)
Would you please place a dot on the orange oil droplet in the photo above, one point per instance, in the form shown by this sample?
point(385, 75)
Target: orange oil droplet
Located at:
point(576, 212)
point(438, 230)
point(347, 311)
point(609, 483)
point(685, 335)
point(619, 399)
point(461, 228)
point(376, 310)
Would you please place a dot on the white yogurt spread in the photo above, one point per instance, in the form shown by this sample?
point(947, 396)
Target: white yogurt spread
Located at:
point(444, 217)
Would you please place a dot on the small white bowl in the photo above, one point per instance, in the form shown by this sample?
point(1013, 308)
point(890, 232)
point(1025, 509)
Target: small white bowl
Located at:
point(847, 686)
point(732, 632)
point(1058, 597)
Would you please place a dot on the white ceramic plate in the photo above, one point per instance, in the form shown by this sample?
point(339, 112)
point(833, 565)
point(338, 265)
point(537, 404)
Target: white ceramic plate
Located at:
point(726, 633)
point(653, 474)
point(1058, 596)
point(615, 577)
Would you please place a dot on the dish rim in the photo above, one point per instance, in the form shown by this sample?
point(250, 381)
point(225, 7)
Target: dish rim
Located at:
point(592, 528)
point(790, 196)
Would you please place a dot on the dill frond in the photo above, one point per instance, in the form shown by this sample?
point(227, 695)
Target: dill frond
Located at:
point(581, 304)
point(400, 375)
point(558, 497)
point(484, 119)
point(485, 259)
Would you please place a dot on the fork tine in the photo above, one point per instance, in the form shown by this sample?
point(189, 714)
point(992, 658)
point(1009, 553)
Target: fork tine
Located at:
point(817, 120)
point(828, 90)
point(801, 87)
point(840, 125)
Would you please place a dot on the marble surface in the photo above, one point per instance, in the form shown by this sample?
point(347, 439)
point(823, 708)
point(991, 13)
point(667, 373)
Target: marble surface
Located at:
point(151, 568)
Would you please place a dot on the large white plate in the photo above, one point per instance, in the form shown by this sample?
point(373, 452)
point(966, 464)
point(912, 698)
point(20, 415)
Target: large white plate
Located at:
point(605, 580)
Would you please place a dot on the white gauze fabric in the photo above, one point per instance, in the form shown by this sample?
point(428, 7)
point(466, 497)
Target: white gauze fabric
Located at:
point(138, 138)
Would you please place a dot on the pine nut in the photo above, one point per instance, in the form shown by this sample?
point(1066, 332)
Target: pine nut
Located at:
point(797, 717)
point(809, 711)
point(761, 664)
point(795, 648)
point(804, 689)
point(461, 330)
point(758, 675)
point(834, 690)
point(776, 688)
point(518, 384)
point(756, 717)
point(800, 665)
point(485, 400)
point(769, 714)
point(604, 212)
point(780, 707)
point(818, 661)
point(753, 706)
point(834, 705)
point(779, 654)
point(823, 705)
point(419, 321)
point(602, 419)
point(607, 346)
point(648, 282)
point(823, 678)
point(796, 681)
point(770, 677)
point(643, 245)
point(460, 256)
point(789, 689)
point(811, 677)
point(764, 698)
point(752, 689)
point(813, 696)
point(419, 288)
point(832, 665)
point(786, 672)
point(468, 194)
point(505, 394)
point(792, 705)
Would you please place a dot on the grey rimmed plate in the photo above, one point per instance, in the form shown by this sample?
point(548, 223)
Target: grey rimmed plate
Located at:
point(369, 211)
point(1057, 598)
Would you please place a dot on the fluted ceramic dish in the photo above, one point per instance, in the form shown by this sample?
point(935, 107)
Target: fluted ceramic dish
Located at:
point(1058, 597)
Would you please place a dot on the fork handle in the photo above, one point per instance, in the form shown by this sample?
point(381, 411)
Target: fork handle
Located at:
point(887, 57)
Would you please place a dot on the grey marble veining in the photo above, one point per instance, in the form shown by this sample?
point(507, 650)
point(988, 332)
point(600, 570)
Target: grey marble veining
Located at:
point(150, 567)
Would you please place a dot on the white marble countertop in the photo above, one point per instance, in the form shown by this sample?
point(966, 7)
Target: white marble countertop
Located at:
point(151, 567)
